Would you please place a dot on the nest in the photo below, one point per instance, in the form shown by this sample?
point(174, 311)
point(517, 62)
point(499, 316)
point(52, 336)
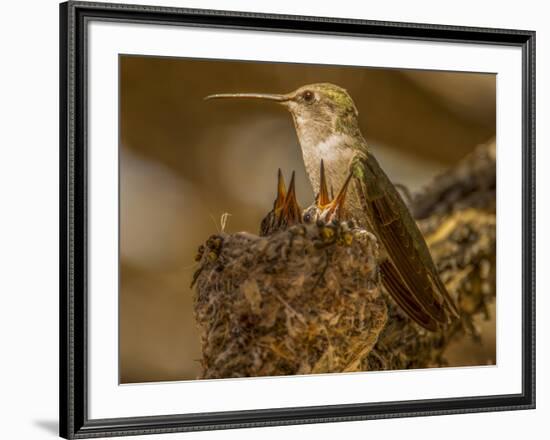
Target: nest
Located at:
point(301, 301)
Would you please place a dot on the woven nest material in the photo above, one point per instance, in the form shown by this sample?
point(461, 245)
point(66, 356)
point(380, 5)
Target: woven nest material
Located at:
point(301, 301)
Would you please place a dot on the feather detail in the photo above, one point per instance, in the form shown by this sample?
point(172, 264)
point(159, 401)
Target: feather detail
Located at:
point(395, 286)
point(409, 275)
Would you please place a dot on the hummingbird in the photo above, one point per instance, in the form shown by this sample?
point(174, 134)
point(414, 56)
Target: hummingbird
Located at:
point(326, 121)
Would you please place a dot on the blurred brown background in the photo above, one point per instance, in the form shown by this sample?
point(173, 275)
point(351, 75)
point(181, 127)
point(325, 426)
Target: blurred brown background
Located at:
point(184, 162)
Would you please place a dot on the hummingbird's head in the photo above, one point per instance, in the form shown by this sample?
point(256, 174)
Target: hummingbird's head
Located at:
point(318, 110)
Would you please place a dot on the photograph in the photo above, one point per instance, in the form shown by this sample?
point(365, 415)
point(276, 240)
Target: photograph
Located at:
point(270, 219)
point(286, 219)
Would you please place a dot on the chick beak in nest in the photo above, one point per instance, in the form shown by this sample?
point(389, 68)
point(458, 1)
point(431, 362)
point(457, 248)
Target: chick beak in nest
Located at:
point(279, 203)
point(323, 198)
point(286, 211)
point(335, 209)
point(274, 218)
point(292, 213)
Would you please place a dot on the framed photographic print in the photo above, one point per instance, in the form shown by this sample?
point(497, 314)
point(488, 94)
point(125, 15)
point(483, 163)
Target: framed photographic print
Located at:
point(272, 219)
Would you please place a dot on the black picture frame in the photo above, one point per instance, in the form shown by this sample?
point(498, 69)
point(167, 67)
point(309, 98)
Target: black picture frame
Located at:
point(74, 420)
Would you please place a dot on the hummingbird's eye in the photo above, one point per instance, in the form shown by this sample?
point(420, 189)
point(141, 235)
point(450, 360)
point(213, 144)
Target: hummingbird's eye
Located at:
point(308, 96)
point(307, 217)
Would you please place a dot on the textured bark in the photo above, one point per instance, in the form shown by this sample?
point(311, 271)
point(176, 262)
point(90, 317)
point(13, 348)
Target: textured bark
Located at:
point(308, 299)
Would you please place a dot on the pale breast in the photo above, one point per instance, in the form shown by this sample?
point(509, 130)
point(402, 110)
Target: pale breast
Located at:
point(336, 155)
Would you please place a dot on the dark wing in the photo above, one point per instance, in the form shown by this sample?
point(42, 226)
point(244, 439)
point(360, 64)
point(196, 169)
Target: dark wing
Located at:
point(411, 276)
point(401, 294)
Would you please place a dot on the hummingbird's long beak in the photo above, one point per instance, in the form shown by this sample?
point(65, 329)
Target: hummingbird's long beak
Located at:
point(263, 96)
